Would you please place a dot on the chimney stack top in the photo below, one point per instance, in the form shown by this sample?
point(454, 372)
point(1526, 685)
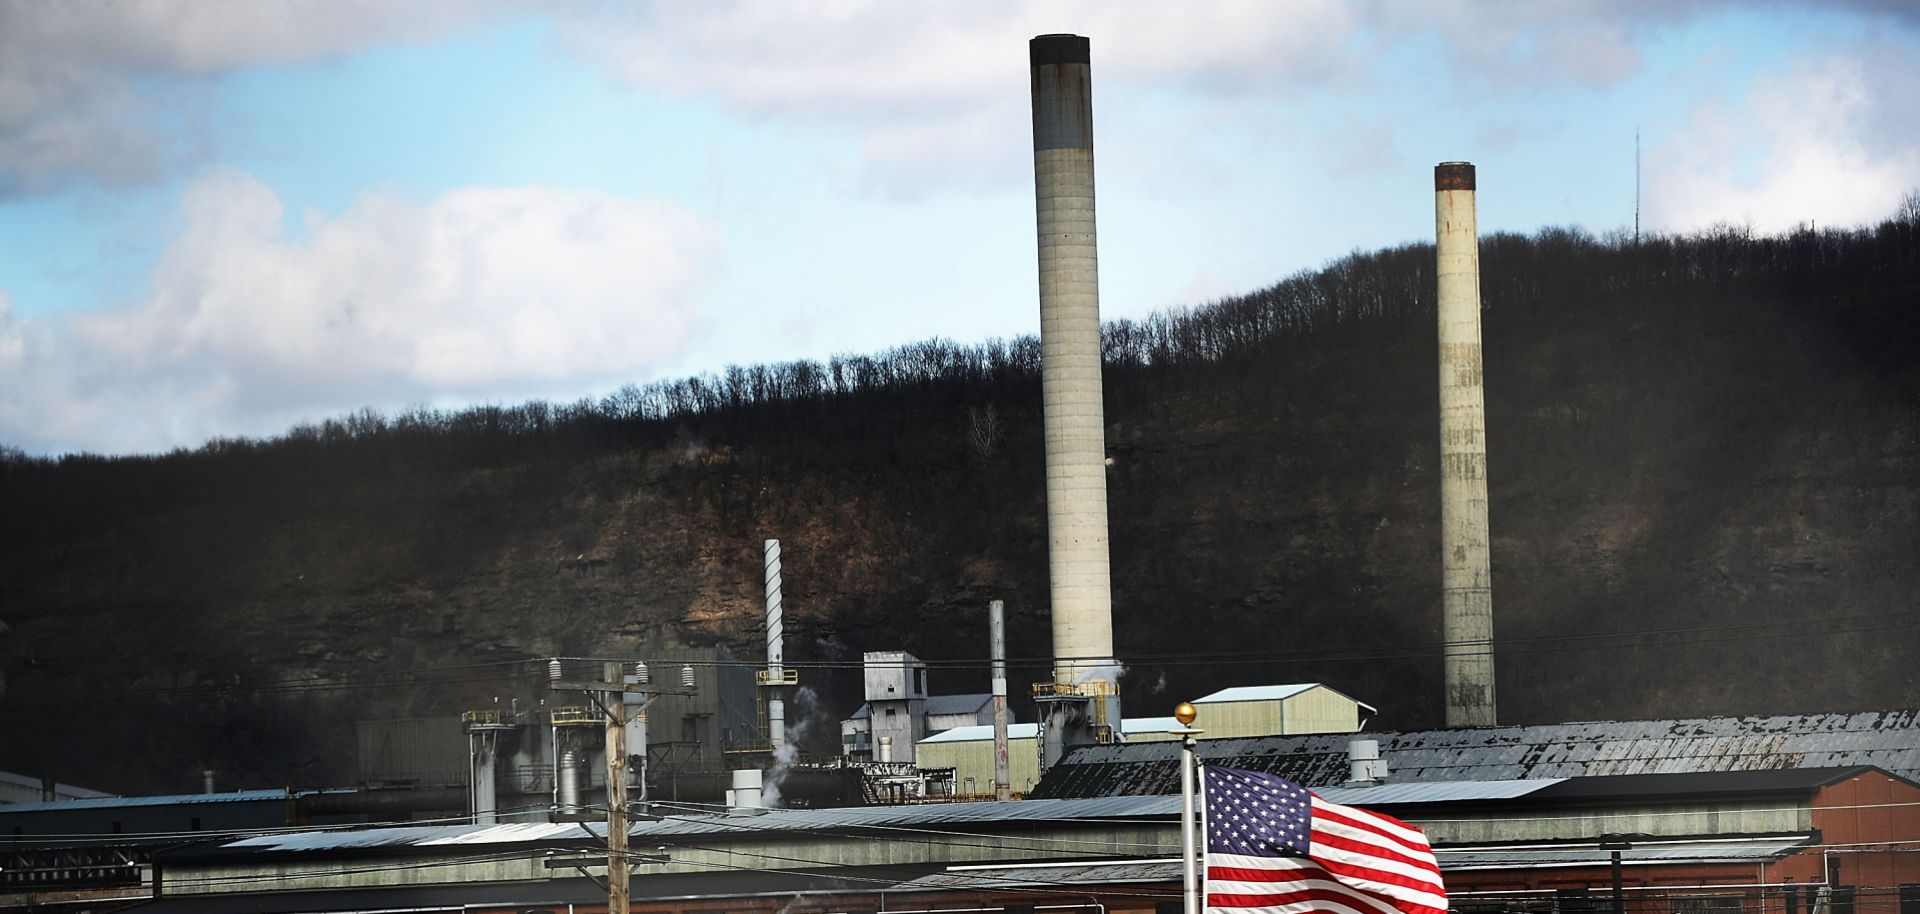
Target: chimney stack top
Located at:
point(1058, 49)
point(1453, 176)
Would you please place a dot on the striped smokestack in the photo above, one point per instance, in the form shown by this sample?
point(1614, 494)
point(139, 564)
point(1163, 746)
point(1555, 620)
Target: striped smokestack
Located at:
point(1070, 373)
point(1466, 575)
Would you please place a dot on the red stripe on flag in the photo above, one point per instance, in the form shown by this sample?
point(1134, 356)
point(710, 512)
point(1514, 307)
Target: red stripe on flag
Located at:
point(1348, 815)
point(1316, 871)
point(1342, 842)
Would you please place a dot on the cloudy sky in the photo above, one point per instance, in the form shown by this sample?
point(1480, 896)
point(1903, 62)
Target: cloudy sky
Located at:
point(222, 217)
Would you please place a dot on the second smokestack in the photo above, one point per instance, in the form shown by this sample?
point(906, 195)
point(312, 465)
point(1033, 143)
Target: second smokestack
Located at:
point(1466, 575)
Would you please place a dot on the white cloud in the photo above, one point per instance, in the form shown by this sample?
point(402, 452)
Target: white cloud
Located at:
point(69, 106)
point(1831, 141)
point(482, 293)
point(937, 88)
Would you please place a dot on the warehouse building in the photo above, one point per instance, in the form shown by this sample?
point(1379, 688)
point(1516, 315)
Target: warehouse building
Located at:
point(1299, 708)
point(1731, 842)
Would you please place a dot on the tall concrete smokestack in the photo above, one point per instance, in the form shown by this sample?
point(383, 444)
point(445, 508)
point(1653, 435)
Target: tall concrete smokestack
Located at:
point(1084, 669)
point(1466, 575)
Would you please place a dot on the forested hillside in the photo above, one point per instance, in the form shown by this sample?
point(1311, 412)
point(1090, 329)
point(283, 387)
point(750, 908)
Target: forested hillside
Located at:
point(1704, 464)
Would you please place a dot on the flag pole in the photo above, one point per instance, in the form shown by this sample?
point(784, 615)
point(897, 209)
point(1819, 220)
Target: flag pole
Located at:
point(1189, 871)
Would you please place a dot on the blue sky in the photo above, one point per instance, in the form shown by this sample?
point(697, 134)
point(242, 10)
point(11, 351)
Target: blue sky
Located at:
point(222, 218)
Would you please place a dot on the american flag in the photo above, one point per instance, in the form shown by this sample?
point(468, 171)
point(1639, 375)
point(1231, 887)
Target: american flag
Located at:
point(1274, 848)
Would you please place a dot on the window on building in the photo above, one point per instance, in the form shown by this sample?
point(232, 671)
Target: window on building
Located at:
point(1708, 904)
point(890, 718)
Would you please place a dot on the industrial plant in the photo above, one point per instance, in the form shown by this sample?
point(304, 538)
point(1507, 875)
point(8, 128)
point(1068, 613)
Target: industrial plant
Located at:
point(676, 782)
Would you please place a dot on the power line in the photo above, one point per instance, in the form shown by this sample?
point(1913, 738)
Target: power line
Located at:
point(471, 673)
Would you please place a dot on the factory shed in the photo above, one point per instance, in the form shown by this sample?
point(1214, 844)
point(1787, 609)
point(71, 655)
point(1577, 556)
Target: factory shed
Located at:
point(19, 788)
point(1740, 842)
point(945, 712)
point(1283, 710)
point(1885, 739)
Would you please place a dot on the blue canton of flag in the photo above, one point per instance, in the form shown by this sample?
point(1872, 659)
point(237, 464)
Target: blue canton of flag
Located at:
point(1256, 814)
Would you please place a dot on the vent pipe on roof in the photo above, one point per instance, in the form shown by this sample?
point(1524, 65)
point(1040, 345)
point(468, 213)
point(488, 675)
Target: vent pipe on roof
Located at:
point(206, 780)
point(1365, 767)
point(744, 796)
point(1466, 576)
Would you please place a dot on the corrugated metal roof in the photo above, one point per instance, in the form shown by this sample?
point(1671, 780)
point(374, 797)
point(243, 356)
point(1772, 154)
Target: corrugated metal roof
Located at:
point(1434, 791)
point(1257, 693)
point(983, 731)
point(772, 820)
point(183, 799)
point(1884, 739)
point(958, 704)
point(1030, 731)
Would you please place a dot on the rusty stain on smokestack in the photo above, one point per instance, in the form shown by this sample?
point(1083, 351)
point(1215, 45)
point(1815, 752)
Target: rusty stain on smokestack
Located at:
point(1466, 556)
point(1077, 559)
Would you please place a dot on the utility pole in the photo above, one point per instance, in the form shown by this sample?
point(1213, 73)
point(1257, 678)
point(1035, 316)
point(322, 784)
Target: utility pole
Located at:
point(610, 697)
point(617, 869)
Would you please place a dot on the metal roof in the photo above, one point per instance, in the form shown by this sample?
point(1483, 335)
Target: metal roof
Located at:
point(456, 837)
point(1147, 724)
point(980, 732)
point(958, 704)
point(1435, 792)
point(182, 799)
point(1889, 740)
point(1258, 693)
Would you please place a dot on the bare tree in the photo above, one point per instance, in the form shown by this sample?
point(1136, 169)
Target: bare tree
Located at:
point(984, 431)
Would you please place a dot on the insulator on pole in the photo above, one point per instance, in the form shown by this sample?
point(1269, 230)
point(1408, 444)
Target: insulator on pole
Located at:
point(686, 676)
point(553, 669)
point(640, 674)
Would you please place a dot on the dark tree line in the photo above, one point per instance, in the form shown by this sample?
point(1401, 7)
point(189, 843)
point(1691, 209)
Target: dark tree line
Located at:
point(1861, 278)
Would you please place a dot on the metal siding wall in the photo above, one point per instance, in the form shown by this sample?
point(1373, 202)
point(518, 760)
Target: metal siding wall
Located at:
point(1320, 711)
point(1756, 817)
point(1232, 719)
point(974, 759)
point(425, 750)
